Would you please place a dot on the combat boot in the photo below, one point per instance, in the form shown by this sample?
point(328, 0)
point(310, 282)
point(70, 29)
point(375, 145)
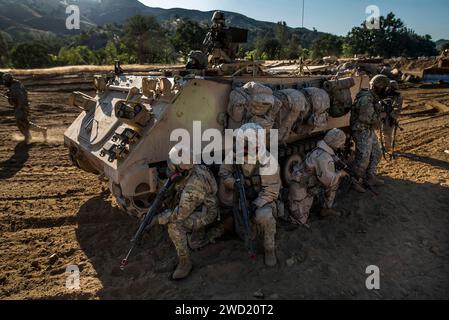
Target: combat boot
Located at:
point(357, 186)
point(329, 212)
point(270, 258)
point(375, 181)
point(183, 269)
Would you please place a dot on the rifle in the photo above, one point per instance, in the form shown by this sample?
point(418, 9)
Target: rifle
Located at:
point(208, 42)
point(340, 165)
point(240, 187)
point(149, 218)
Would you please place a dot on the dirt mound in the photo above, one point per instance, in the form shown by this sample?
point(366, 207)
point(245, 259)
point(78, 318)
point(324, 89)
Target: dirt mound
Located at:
point(412, 65)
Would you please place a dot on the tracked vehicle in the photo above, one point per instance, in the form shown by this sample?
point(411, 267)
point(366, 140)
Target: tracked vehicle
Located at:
point(123, 133)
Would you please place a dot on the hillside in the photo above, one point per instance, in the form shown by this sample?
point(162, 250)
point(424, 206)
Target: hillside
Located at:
point(40, 18)
point(441, 43)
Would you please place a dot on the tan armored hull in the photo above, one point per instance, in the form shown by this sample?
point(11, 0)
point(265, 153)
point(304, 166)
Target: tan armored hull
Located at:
point(124, 132)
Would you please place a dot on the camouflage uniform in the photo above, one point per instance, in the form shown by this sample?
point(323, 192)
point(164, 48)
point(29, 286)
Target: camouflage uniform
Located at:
point(365, 118)
point(218, 41)
point(197, 208)
point(262, 191)
point(316, 176)
point(18, 98)
point(388, 126)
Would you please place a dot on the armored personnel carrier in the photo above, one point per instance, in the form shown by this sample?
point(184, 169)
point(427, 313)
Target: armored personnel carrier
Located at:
point(123, 132)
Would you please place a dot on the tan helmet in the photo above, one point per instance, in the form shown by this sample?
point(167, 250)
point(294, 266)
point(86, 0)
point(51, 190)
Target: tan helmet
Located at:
point(394, 85)
point(180, 158)
point(218, 17)
point(379, 82)
point(335, 139)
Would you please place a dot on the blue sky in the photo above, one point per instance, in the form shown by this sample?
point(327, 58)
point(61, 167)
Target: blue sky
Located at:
point(334, 16)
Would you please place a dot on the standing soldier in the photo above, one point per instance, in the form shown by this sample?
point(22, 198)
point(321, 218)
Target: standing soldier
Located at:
point(317, 176)
point(18, 98)
point(393, 107)
point(218, 40)
point(262, 186)
point(366, 117)
point(197, 206)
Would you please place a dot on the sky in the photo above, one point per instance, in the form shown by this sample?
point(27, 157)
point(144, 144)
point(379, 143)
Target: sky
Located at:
point(333, 16)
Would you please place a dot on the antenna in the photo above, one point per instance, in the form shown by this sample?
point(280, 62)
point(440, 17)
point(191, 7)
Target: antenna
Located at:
point(303, 6)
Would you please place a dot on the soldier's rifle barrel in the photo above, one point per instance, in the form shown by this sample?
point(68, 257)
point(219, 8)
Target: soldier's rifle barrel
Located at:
point(151, 213)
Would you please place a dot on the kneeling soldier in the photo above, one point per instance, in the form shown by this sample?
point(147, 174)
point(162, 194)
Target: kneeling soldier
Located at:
point(197, 206)
point(317, 176)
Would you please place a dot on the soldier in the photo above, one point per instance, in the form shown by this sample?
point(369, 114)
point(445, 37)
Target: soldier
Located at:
point(218, 41)
point(263, 185)
point(366, 117)
point(317, 176)
point(18, 98)
point(394, 103)
point(197, 206)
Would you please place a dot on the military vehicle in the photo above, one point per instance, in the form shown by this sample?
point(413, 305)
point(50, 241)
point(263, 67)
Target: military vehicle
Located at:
point(123, 133)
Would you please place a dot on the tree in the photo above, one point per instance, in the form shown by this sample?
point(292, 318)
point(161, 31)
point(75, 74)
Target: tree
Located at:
point(30, 55)
point(281, 30)
point(147, 39)
point(80, 55)
point(327, 45)
point(293, 49)
point(189, 35)
point(391, 39)
point(4, 49)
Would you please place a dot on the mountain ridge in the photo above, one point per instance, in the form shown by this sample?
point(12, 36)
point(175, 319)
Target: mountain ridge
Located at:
point(48, 16)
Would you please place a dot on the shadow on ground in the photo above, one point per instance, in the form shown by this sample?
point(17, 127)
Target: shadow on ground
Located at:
point(9, 168)
point(430, 161)
point(410, 246)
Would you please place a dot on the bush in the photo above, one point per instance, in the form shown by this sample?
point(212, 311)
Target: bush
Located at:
point(30, 55)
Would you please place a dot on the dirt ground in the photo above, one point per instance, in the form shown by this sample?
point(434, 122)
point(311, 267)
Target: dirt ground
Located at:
point(54, 215)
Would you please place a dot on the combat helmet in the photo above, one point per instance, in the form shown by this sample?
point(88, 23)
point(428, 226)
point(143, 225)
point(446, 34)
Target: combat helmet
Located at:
point(379, 85)
point(180, 158)
point(335, 139)
point(7, 78)
point(379, 82)
point(218, 17)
